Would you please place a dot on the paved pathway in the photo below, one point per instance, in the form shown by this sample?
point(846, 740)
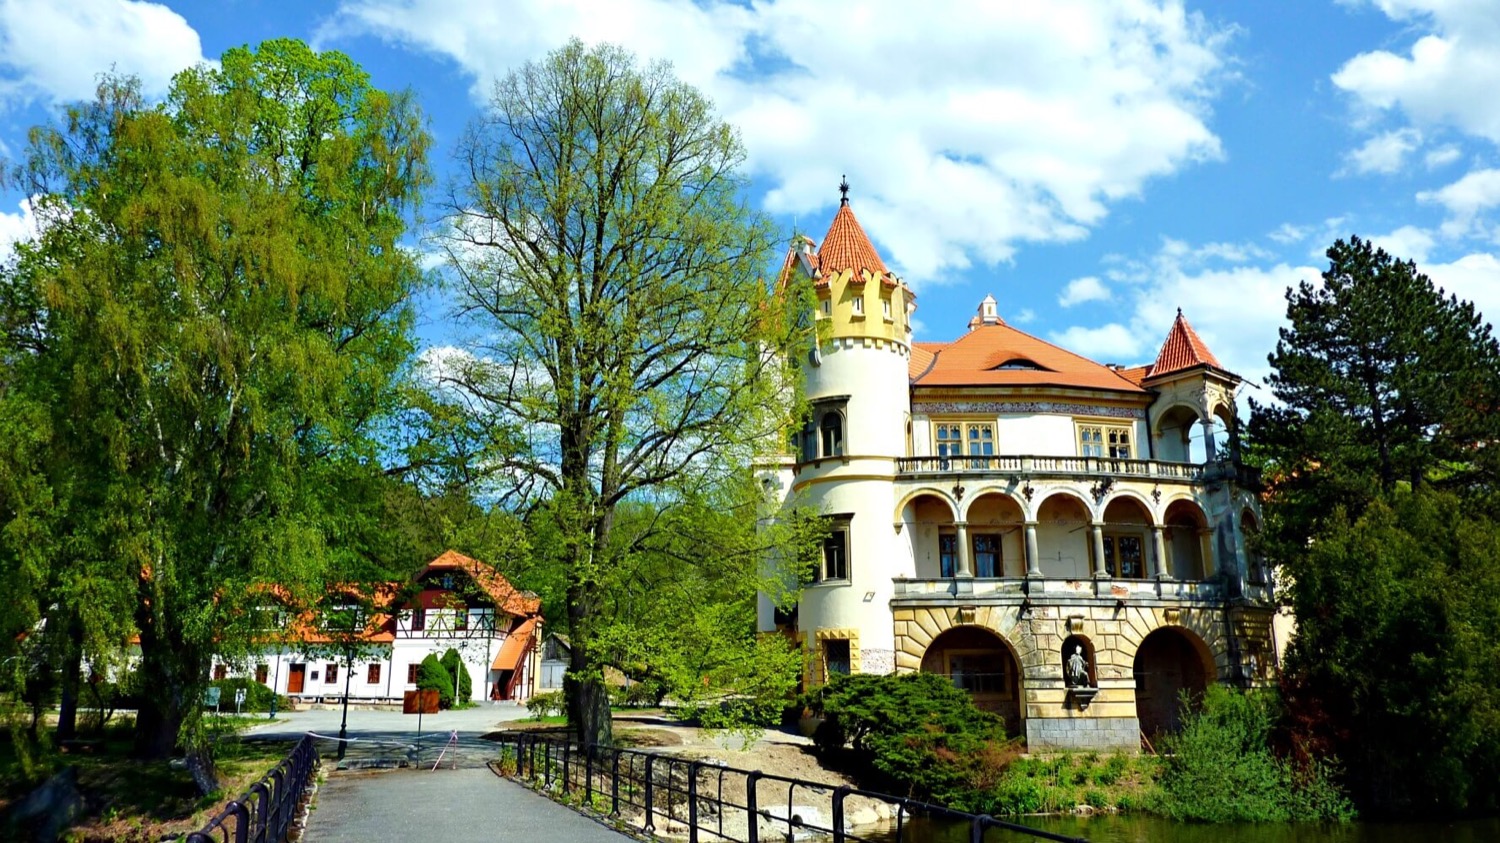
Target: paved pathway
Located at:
point(391, 737)
point(446, 805)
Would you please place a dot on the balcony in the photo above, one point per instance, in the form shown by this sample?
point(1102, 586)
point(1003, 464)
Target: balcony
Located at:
point(1034, 466)
point(1019, 589)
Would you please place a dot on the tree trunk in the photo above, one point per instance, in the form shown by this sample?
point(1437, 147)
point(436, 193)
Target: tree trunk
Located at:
point(176, 672)
point(583, 686)
point(72, 665)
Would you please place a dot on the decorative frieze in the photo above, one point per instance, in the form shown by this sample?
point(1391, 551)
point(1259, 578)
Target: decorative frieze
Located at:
point(999, 407)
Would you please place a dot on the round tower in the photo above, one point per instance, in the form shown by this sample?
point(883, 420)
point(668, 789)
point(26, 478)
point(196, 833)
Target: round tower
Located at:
point(857, 387)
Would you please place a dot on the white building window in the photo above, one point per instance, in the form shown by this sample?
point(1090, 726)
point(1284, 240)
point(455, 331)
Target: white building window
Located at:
point(1100, 440)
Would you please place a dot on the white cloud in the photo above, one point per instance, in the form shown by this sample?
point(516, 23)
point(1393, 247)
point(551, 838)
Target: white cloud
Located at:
point(1286, 233)
point(1442, 156)
point(1022, 124)
point(1407, 243)
point(55, 51)
point(1465, 199)
point(1448, 76)
point(1235, 307)
point(21, 225)
point(1473, 277)
point(1384, 153)
point(1110, 343)
point(1024, 317)
point(1080, 290)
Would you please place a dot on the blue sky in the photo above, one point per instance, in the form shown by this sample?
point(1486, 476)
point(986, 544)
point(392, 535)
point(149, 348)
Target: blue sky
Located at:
point(1094, 164)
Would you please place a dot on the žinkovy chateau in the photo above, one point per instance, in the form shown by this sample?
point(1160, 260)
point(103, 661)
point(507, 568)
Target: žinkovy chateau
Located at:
point(1066, 540)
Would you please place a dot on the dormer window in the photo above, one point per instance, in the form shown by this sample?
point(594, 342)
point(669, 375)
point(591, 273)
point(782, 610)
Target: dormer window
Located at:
point(1018, 364)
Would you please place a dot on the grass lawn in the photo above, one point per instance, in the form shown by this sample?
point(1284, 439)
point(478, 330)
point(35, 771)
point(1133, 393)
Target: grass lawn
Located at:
point(131, 800)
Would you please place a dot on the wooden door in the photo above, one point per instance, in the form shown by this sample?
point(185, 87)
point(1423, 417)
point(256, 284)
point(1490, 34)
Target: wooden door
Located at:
point(295, 678)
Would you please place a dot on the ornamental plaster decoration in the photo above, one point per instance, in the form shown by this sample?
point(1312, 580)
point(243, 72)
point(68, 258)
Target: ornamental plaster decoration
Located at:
point(997, 407)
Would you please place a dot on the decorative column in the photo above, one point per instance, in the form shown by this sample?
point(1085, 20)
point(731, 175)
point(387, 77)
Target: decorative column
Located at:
point(1097, 530)
point(1159, 552)
point(965, 564)
point(1033, 561)
point(1210, 448)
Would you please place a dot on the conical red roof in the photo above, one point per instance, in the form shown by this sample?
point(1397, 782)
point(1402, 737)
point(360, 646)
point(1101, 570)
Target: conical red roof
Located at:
point(846, 246)
point(1183, 349)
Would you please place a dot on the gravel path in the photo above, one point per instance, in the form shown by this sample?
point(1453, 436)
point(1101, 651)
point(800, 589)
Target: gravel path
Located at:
point(445, 805)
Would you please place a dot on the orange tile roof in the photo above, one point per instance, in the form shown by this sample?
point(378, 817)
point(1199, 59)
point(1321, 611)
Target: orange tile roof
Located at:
point(920, 361)
point(846, 246)
point(1135, 374)
point(1182, 350)
point(499, 589)
point(516, 644)
point(975, 360)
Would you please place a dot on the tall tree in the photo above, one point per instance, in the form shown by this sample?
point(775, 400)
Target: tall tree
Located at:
point(1382, 379)
point(220, 316)
point(625, 346)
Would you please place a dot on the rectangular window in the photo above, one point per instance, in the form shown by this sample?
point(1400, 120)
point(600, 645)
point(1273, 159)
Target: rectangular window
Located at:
point(460, 619)
point(220, 671)
point(372, 674)
point(859, 305)
point(482, 619)
point(1098, 440)
point(836, 556)
point(262, 671)
point(987, 555)
point(1125, 557)
point(885, 306)
point(418, 620)
point(411, 674)
point(827, 307)
point(332, 672)
point(836, 656)
point(974, 439)
point(978, 673)
point(947, 554)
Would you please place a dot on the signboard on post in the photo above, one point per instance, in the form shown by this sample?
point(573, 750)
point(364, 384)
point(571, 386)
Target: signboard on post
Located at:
point(211, 697)
point(239, 699)
point(420, 702)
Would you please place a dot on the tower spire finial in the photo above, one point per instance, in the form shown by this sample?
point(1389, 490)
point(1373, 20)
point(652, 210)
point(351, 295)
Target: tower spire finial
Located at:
point(843, 190)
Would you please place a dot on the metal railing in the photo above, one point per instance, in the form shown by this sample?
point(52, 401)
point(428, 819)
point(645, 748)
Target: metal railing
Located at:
point(709, 802)
point(265, 813)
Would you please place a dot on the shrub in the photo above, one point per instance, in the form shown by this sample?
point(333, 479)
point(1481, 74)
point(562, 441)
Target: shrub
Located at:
point(546, 704)
point(1220, 768)
point(257, 696)
point(432, 676)
point(454, 664)
point(918, 732)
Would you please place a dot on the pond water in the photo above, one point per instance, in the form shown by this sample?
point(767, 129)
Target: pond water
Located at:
point(1138, 829)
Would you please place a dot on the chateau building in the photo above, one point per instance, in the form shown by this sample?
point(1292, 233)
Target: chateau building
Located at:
point(1064, 539)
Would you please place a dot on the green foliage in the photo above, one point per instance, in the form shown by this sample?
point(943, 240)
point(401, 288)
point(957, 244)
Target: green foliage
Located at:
point(432, 676)
point(921, 735)
point(627, 364)
point(1397, 651)
point(217, 321)
point(546, 704)
point(257, 696)
point(454, 664)
point(1220, 767)
point(1062, 782)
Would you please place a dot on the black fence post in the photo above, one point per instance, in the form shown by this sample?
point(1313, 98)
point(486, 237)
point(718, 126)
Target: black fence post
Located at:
point(262, 810)
point(588, 777)
point(976, 828)
point(838, 812)
point(752, 812)
point(567, 749)
point(692, 797)
point(614, 787)
point(650, 827)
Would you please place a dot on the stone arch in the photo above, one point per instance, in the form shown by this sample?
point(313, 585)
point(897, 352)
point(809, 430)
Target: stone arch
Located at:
point(1186, 536)
point(917, 493)
point(1128, 536)
point(1169, 662)
point(981, 661)
point(1173, 430)
point(1063, 518)
point(926, 520)
point(1148, 507)
point(995, 529)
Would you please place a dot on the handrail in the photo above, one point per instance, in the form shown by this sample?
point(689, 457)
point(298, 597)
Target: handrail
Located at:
point(265, 812)
point(657, 788)
point(1029, 465)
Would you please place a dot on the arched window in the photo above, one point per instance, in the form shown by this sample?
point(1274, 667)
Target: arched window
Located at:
point(831, 431)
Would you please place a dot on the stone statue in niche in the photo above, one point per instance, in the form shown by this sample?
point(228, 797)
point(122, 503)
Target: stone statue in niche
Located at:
point(1078, 667)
